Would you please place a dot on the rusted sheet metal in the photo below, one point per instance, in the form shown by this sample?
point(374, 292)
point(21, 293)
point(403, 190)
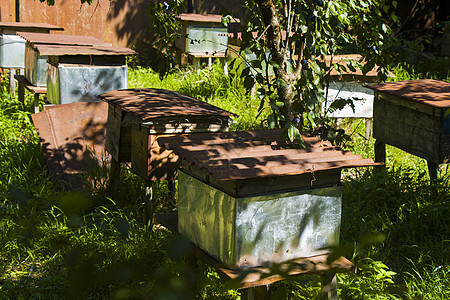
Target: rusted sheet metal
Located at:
point(209, 18)
point(150, 104)
point(59, 50)
point(431, 92)
point(7, 11)
point(259, 153)
point(122, 23)
point(62, 39)
point(72, 137)
point(21, 26)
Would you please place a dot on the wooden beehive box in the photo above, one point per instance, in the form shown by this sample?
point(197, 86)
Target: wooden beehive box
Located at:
point(137, 117)
point(36, 64)
point(81, 73)
point(202, 34)
point(413, 115)
point(12, 46)
point(248, 197)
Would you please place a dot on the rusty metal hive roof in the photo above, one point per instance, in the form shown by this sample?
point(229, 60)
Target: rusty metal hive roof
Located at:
point(209, 18)
point(431, 92)
point(260, 153)
point(21, 25)
point(62, 39)
point(61, 50)
point(67, 133)
point(148, 104)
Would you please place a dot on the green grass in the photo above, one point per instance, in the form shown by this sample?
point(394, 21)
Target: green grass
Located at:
point(55, 244)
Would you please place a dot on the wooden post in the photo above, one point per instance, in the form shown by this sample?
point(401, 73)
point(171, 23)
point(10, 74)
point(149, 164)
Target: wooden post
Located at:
point(329, 286)
point(209, 62)
point(225, 65)
point(21, 93)
point(380, 151)
point(12, 82)
point(380, 154)
point(113, 188)
point(196, 63)
point(368, 123)
point(36, 103)
point(148, 205)
point(256, 293)
point(432, 170)
point(172, 192)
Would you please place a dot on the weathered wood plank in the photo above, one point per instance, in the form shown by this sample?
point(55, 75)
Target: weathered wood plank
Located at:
point(163, 163)
point(264, 185)
point(140, 152)
point(409, 129)
point(113, 133)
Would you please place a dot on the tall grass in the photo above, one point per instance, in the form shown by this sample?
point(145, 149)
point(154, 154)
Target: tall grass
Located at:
point(56, 244)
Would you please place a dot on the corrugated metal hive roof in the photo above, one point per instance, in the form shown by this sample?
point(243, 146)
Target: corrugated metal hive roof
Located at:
point(260, 153)
point(431, 92)
point(209, 18)
point(148, 104)
point(61, 50)
point(62, 39)
point(19, 25)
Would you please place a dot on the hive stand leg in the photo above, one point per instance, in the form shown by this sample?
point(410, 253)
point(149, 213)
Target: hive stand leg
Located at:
point(432, 170)
point(209, 62)
point(368, 123)
point(225, 66)
point(196, 63)
point(329, 286)
point(148, 205)
point(113, 188)
point(256, 293)
point(171, 188)
point(12, 82)
point(21, 93)
point(36, 103)
point(380, 154)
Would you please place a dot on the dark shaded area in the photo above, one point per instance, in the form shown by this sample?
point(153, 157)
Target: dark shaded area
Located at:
point(420, 17)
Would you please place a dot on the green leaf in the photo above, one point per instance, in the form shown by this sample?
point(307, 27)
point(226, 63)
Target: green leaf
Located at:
point(261, 93)
point(245, 72)
point(303, 28)
point(280, 83)
point(447, 113)
point(272, 121)
point(274, 64)
point(279, 104)
point(293, 132)
point(249, 82)
point(226, 20)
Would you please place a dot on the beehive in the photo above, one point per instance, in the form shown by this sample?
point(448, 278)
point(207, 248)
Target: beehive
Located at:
point(248, 197)
point(137, 117)
point(12, 46)
point(36, 64)
point(414, 115)
point(81, 73)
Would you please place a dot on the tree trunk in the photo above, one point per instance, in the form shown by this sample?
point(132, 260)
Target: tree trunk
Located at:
point(278, 52)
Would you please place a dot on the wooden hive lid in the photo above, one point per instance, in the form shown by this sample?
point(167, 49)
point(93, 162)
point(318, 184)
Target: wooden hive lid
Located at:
point(430, 92)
